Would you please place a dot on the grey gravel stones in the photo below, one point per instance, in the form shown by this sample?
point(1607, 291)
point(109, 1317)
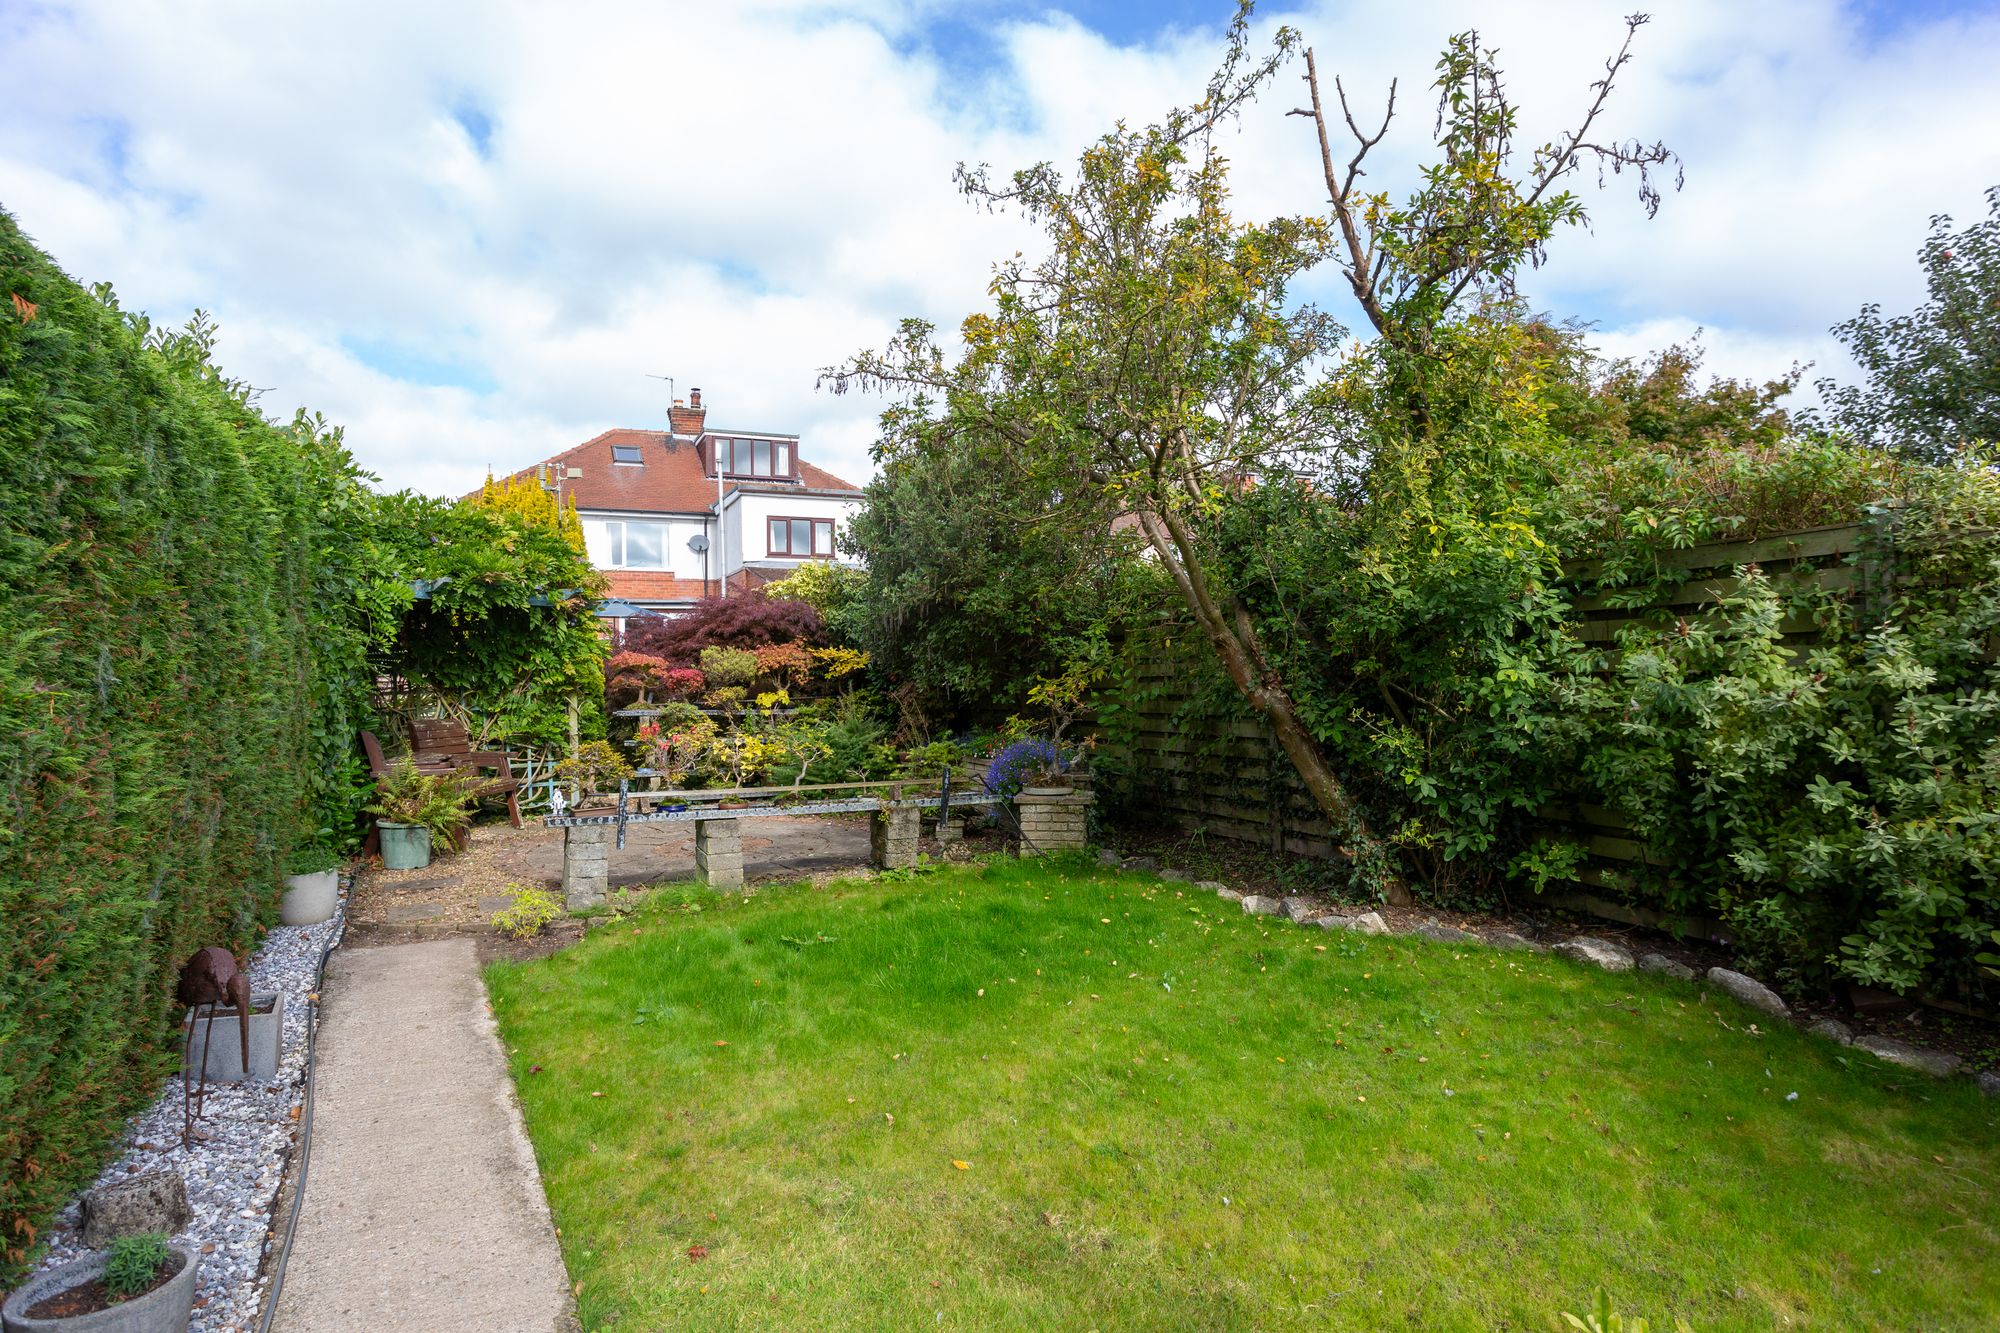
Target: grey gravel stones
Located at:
point(1507, 939)
point(1258, 905)
point(1665, 966)
point(232, 1176)
point(1988, 1081)
point(1749, 990)
point(1599, 953)
point(149, 1201)
point(1938, 1064)
point(1227, 894)
point(1432, 930)
point(1833, 1030)
point(1302, 909)
point(1368, 923)
point(1213, 886)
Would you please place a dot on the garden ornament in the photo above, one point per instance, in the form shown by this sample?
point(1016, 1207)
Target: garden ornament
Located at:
point(209, 978)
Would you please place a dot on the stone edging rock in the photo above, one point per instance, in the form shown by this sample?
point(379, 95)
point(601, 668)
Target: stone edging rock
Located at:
point(1746, 990)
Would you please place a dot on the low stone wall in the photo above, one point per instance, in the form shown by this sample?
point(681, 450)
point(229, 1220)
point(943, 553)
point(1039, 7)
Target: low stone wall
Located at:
point(1053, 821)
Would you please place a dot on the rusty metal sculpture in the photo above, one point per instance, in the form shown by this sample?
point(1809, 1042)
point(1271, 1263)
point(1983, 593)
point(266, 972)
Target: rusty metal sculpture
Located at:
point(209, 978)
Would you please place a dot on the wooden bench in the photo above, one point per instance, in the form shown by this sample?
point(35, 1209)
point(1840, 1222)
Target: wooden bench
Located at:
point(440, 745)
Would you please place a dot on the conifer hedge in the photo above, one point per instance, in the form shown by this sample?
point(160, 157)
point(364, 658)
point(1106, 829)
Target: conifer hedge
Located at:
point(158, 753)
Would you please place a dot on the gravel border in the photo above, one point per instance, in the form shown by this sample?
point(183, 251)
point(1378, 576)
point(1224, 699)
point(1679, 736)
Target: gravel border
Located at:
point(233, 1176)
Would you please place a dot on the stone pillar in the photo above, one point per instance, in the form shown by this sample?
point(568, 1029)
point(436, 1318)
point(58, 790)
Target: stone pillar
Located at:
point(1053, 822)
point(892, 837)
point(718, 853)
point(586, 865)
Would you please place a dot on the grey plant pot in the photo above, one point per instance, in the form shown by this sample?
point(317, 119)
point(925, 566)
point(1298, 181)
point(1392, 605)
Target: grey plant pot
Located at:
point(309, 899)
point(404, 846)
point(165, 1309)
point(224, 1053)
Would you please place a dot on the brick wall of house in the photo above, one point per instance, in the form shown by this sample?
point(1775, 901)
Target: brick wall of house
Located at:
point(643, 585)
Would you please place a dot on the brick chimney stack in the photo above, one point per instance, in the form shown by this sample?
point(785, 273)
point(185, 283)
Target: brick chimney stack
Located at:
point(685, 419)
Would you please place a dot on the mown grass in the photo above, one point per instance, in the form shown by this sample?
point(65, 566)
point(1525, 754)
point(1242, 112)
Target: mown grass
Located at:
point(1173, 1116)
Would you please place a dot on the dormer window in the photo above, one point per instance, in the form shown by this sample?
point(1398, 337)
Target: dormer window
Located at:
point(741, 457)
point(627, 453)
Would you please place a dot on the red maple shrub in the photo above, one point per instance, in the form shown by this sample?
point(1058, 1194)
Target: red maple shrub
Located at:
point(726, 622)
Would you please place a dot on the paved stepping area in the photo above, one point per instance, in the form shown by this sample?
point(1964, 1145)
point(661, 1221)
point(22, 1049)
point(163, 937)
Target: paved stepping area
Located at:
point(423, 1208)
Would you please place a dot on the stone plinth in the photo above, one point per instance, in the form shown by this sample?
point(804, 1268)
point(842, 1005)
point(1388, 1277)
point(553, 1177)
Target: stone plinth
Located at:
point(586, 865)
point(950, 829)
point(892, 837)
point(1053, 821)
point(718, 853)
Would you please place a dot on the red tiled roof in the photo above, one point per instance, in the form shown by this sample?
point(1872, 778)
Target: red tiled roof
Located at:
point(671, 481)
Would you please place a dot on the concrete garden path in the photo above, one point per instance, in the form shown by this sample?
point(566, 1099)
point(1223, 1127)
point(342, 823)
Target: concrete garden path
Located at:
point(423, 1207)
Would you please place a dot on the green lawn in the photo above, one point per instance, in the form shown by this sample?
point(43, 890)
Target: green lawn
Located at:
point(1043, 1096)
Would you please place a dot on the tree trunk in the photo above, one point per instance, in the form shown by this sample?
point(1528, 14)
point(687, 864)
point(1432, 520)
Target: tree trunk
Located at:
point(1238, 645)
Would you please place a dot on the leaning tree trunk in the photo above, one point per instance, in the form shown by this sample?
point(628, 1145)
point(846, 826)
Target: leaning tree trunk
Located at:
point(1237, 644)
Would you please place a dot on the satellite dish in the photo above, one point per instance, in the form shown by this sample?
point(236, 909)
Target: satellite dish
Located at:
point(698, 543)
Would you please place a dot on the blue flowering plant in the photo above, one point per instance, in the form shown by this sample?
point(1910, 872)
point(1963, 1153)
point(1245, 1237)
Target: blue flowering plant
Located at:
point(1033, 762)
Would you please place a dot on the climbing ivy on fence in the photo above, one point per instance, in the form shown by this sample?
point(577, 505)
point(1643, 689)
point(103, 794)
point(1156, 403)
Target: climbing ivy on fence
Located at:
point(177, 669)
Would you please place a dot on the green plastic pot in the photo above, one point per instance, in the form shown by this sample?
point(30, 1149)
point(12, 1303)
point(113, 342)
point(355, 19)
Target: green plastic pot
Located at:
point(405, 846)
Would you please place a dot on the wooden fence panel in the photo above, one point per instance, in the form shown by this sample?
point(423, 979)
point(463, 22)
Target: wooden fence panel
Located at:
point(1232, 780)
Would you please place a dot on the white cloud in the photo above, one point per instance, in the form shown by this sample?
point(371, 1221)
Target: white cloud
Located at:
point(737, 195)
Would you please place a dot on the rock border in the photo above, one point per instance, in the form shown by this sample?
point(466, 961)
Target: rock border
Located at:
point(1589, 949)
point(235, 1178)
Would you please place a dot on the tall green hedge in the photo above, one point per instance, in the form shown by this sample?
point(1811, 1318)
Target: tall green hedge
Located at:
point(158, 754)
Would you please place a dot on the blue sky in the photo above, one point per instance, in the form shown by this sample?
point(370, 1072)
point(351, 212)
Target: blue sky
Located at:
point(472, 232)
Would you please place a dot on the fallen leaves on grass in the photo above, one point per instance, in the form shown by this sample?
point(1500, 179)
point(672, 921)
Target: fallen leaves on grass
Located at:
point(963, 1166)
point(696, 1253)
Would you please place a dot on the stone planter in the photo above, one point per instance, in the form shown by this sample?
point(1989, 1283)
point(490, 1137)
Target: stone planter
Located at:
point(404, 846)
point(164, 1309)
point(224, 1054)
point(309, 899)
point(1053, 820)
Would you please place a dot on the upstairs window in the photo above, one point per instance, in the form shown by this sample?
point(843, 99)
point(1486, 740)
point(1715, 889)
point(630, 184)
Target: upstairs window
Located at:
point(617, 544)
point(754, 458)
point(802, 538)
point(626, 453)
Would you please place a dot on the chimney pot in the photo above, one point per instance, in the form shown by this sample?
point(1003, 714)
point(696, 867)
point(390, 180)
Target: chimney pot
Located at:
point(694, 399)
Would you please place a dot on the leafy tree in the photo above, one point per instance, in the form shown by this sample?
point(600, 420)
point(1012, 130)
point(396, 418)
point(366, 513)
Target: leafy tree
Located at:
point(979, 580)
point(1613, 407)
point(505, 633)
point(526, 498)
point(1154, 362)
point(828, 587)
point(1934, 374)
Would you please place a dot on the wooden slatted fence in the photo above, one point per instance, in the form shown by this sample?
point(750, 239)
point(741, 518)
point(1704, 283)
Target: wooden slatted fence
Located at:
point(1231, 779)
